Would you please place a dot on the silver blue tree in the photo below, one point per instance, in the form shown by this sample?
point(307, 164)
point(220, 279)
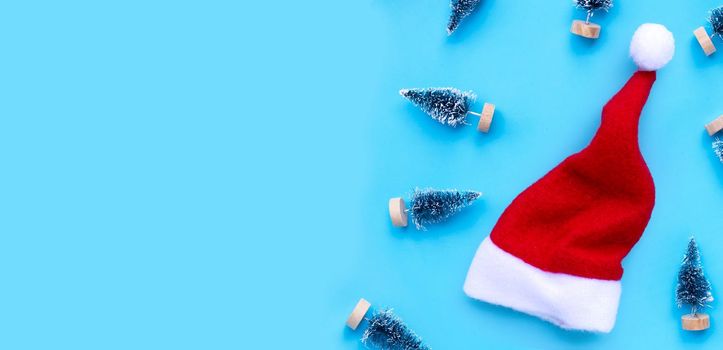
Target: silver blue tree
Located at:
point(718, 148)
point(460, 10)
point(716, 21)
point(593, 5)
point(693, 288)
point(448, 105)
point(386, 331)
point(430, 206)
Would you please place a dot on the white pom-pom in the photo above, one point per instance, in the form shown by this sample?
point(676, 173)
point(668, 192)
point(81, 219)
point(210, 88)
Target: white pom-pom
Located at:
point(652, 46)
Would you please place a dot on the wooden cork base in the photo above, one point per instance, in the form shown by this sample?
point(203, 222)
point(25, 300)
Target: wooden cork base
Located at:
point(715, 126)
point(485, 119)
point(398, 212)
point(585, 30)
point(704, 40)
point(357, 315)
point(697, 322)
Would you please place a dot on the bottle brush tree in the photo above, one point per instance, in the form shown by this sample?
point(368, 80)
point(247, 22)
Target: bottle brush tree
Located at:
point(587, 29)
point(460, 10)
point(593, 5)
point(449, 106)
point(718, 148)
point(693, 289)
point(430, 206)
point(715, 18)
point(386, 331)
point(716, 21)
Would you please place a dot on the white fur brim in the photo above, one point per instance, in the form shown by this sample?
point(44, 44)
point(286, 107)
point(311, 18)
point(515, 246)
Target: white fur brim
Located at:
point(571, 302)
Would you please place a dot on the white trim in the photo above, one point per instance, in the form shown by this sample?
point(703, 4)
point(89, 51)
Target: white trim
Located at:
point(568, 301)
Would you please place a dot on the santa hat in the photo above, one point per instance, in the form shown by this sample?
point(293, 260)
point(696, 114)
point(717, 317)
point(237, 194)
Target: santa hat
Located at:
point(556, 251)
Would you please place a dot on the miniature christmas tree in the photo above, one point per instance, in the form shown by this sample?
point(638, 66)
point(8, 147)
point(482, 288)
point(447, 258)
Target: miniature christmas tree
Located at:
point(449, 106)
point(460, 10)
point(593, 5)
point(430, 206)
point(693, 289)
point(385, 330)
point(716, 23)
point(446, 105)
point(718, 148)
point(587, 29)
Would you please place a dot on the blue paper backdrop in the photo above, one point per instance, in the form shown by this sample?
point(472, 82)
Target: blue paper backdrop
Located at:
point(215, 174)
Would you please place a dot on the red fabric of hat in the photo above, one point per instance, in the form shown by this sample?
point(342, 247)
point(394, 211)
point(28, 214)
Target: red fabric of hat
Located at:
point(586, 214)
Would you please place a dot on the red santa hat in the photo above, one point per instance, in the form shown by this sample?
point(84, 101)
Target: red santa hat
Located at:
point(556, 251)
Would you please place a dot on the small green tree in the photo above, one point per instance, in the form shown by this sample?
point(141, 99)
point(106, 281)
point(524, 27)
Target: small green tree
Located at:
point(716, 21)
point(430, 206)
point(448, 105)
point(387, 331)
point(593, 5)
point(718, 148)
point(460, 10)
point(693, 288)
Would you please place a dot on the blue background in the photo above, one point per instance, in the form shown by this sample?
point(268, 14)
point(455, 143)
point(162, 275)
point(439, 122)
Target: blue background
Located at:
point(215, 174)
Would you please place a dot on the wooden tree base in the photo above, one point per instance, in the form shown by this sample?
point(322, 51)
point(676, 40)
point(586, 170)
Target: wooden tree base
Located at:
point(398, 212)
point(704, 40)
point(715, 126)
point(485, 120)
point(585, 30)
point(357, 315)
point(697, 322)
